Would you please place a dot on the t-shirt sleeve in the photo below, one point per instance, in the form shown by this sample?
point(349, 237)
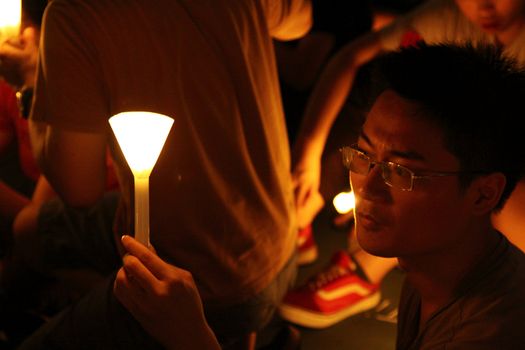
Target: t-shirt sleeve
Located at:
point(69, 90)
point(286, 14)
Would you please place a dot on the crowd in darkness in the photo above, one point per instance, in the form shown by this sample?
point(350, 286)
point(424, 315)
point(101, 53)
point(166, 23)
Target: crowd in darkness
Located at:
point(267, 97)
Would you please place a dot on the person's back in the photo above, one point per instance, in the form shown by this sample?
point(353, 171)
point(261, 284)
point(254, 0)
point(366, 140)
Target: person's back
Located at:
point(220, 195)
point(220, 191)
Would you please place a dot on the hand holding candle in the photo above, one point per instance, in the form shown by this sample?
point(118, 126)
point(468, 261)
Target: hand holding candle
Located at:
point(141, 136)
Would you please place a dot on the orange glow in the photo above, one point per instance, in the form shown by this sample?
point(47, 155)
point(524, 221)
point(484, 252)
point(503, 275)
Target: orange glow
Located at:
point(10, 17)
point(344, 202)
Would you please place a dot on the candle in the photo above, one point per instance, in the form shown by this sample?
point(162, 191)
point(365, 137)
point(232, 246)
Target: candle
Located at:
point(10, 17)
point(141, 136)
point(344, 202)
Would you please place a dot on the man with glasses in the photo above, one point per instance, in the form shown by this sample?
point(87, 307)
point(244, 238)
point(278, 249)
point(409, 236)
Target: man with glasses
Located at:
point(441, 150)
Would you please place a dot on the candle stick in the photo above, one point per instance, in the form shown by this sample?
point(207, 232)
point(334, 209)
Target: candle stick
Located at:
point(141, 136)
point(142, 209)
point(10, 18)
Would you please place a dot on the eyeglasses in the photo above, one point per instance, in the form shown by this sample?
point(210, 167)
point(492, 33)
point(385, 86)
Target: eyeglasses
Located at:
point(394, 175)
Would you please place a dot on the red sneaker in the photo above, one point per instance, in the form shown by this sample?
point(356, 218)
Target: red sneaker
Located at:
point(330, 296)
point(306, 247)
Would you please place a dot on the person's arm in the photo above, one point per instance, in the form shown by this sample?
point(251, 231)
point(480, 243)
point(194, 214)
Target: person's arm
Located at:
point(19, 58)
point(73, 162)
point(325, 103)
point(18, 64)
point(163, 299)
point(68, 122)
point(43, 191)
point(11, 201)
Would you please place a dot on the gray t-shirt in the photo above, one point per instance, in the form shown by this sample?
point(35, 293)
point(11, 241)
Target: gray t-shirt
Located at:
point(487, 312)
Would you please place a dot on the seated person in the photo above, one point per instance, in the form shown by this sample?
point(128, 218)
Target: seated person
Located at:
point(430, 167)
point(459, 21)
point(45, 239)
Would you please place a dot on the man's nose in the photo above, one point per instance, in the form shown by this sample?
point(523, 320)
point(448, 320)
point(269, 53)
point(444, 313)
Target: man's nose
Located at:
point(372, 186)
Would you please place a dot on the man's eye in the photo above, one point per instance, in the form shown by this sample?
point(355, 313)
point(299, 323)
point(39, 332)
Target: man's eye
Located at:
point(362, 156)
point(401, 171)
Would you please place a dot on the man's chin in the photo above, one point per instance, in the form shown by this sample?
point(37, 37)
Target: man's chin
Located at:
point(381, 253)
point(374, 242)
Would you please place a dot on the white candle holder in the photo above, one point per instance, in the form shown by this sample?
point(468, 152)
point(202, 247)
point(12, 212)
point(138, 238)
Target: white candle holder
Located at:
point(141, 136)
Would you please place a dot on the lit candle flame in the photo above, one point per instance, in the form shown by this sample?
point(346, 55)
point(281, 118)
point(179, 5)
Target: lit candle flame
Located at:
point(10, 18)
point(344, 202)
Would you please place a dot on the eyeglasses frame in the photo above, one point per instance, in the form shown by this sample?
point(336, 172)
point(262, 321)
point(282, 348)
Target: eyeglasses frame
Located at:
point(413, 175)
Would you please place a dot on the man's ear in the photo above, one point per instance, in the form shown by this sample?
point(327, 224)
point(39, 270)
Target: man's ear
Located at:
point(487, 191)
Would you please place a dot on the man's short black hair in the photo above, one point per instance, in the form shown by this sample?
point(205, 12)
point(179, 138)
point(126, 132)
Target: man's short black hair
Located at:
point(473, 93)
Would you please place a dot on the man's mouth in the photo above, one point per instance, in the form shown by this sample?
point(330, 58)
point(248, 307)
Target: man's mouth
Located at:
point(369, 220)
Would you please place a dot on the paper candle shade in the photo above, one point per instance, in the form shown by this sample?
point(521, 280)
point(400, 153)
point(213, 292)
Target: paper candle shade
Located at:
point(141, 136)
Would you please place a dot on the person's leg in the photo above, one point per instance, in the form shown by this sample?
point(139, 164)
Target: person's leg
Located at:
point(235, 325)
point(97, 321)
point(54, 236)
point(59, 254)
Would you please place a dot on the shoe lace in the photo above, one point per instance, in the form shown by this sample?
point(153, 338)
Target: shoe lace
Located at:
point(327, 276)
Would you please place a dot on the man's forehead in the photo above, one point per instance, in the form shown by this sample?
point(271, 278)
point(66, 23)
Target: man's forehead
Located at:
point(392, 148)
point(396, 125)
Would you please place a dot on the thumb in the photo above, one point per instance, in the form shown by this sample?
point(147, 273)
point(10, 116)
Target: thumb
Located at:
point(152, 249)
point(29, 35)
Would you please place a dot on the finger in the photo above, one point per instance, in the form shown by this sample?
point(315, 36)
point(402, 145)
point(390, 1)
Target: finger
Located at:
point(152, 249)
point(126, 292)
point(11, 51)
point(14, 41)
point(29, 34)
point(29, 39)
point(297, 174)
point(150, 260)
point(296, 184)
point(295, 180)
point(127, 282)
point(140, 274)
point(301, 196)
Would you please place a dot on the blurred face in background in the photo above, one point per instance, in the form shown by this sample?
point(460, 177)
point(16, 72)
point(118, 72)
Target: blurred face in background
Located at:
point(499, 17)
